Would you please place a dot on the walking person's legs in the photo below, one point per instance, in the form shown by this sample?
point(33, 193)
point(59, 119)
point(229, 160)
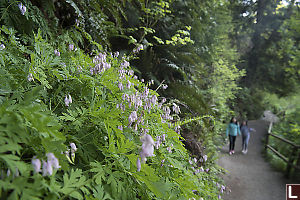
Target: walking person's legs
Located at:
point(243, 143)
point(233, 143)
point(246, 143)
point(230, 144)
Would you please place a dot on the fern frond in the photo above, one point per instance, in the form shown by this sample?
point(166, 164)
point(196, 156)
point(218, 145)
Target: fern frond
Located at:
point(187, 121)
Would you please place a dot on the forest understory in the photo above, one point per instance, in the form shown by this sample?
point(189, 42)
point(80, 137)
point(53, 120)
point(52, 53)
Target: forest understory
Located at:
point(109, 99)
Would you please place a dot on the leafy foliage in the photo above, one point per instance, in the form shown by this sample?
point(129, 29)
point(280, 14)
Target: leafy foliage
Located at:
point(288, 127)
point(35, 120)
point(62, 84)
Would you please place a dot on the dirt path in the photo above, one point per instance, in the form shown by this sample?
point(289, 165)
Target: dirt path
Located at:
point(249, 176)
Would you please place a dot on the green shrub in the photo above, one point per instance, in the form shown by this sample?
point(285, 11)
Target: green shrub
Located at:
point(38, 117)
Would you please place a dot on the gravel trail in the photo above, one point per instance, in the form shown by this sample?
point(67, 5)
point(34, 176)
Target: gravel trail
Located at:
point(249, 176)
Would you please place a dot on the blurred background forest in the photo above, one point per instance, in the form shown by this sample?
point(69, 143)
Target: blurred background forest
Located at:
point(217, 58)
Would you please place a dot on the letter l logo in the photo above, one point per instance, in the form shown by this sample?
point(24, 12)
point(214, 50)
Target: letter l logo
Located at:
point(290, 193)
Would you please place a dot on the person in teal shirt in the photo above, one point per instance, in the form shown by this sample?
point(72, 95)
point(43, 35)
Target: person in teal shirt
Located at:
point(232, 131)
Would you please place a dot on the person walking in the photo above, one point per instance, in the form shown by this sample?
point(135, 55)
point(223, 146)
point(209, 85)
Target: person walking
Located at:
point(245, 130)
point(232, 131)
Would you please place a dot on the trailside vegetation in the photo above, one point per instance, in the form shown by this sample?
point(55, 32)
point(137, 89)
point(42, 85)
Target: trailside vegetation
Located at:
point(97, 99)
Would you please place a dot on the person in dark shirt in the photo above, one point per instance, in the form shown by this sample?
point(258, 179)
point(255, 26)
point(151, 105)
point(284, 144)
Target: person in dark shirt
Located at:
point(245, 130)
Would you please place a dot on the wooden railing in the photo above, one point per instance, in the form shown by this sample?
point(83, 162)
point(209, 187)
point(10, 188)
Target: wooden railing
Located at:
point(295, 153)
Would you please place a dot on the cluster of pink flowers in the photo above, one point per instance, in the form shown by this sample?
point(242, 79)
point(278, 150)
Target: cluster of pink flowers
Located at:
point(79, 68)
point(77, 22)
point(147, 147)
point(116, 54)
point(68, 100)
point(159, 140)
point(120, 128)
point(56, 52)
point(138, 49)
point(132, 117)
point(167, 114)
point(2, 46)
point(22, 8)
point(176, 108)
point(30, 77)
point(194, 162)
point(8, 173)
point(71, 47)
point(123, 71)
point(141, 102)
point(147, 150)
point(177, 129)
point(222, 189)
point(135, 101)
point(73, 150)
point(169, 149)
point(100, 64)
point(48, 166)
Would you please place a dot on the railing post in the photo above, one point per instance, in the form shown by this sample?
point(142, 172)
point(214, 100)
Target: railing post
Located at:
point(297, 171)
point(267, 142)
point(291, 161)
point(270, 127)
point(267, 136)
